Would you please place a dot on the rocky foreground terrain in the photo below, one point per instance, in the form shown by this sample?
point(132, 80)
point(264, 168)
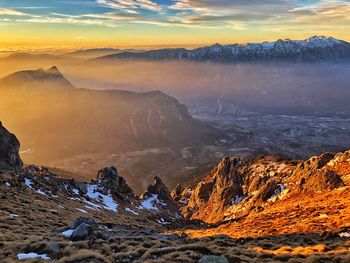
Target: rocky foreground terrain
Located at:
point(259, 210)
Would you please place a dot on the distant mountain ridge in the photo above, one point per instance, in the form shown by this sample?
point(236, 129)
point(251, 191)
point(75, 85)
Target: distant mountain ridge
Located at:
point(312, 49)
point(31, 78)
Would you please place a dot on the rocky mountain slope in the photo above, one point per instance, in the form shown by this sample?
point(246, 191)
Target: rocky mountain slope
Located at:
point(235, 187)
point(267, 210)
point(313, 49)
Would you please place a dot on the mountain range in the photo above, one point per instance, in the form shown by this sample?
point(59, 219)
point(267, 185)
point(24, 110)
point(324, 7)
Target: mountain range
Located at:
point(316, 48)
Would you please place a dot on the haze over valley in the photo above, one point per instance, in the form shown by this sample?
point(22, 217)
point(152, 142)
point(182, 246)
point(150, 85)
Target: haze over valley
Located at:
point(251, 108)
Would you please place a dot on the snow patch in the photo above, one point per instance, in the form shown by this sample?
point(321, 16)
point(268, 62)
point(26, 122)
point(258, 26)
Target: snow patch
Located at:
point(81, 210)
point(151, 203)
point(40, 192)
point(163, 222)
point(13, 215)
point(68, 233)
point(7, 184)
point(131, 211)
point(107, 200)
point(32, 255)
point(28, 183)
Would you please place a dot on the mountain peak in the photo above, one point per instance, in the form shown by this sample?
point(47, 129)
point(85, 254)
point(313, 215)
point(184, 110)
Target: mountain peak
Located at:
point(51, 76)
point(53, 69)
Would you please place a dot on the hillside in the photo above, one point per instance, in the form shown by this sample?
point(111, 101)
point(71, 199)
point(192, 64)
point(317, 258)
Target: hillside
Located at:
point(43, 108)
point(45, 217)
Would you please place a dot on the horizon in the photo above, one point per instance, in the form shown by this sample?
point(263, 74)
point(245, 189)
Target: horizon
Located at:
point(66, 49)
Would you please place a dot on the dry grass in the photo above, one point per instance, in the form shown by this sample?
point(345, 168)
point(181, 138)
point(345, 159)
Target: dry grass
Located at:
point(269, 236)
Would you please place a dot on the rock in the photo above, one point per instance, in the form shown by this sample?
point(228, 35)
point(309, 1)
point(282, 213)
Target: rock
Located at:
point(213, 259)
point(176, 192)
point(109, 180)
point(83, 220)
point(162, 192)
point(83, 228)
point(9, 151)
point(320, 180)
point(83, 232)
point(216, 191)
point(314, 175)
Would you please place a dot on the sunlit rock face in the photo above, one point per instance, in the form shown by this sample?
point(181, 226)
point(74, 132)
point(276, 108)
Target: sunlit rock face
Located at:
point(9, 151)
point(238, 187)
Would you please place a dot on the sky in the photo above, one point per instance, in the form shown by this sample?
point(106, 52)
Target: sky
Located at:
point(132, 23)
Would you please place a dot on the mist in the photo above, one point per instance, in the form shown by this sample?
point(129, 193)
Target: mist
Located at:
point(271, 88)
point(81, 129)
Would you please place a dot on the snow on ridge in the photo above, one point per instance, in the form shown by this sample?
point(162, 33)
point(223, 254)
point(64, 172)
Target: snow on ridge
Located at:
point(107, 200)
point(29, 184)
point(151, 203)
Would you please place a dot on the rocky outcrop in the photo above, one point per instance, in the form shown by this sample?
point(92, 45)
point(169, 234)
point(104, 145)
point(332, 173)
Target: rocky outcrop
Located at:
point(212, 195)
point(313, 175)
point(9, 151)
point(235, 187)
point(109, 181)
point(161, 195)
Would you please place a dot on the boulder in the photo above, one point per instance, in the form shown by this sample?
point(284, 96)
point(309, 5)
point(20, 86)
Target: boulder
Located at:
point(83, 232)
point(83, 228)
point(83, 220)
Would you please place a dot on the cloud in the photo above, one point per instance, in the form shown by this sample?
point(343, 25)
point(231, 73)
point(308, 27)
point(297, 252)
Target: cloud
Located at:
point(130, 4)
point(235, 14)
point(10, 12)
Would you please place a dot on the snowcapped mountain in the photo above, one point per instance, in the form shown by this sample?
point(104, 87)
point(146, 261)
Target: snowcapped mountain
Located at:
point(315, 48)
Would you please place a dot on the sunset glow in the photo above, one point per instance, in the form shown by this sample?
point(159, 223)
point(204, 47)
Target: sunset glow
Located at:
point(130, 23)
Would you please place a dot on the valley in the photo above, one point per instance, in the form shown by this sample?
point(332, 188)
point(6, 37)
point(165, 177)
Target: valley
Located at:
point(221, 153)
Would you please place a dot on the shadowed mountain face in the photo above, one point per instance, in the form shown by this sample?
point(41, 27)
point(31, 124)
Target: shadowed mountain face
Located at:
point(9, 147)
point(54, 120)
point(312, 49)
